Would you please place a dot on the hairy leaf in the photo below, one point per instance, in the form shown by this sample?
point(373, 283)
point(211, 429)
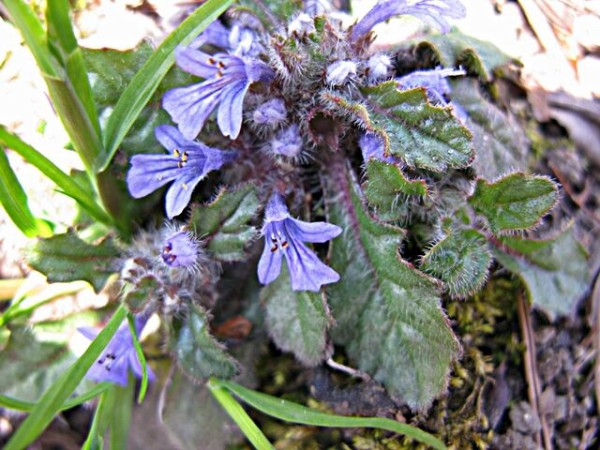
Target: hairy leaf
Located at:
point(225, 220)
point(388, 313)
point(461, 260)
point(422, 135)
point(387, 186)
point(191, 418)
point(198, 353)
point(456, 49)
point(515, 202)
point(500, 141)
point(297, 321)
point(65, 257)
point(555, 270)
point(29, 364)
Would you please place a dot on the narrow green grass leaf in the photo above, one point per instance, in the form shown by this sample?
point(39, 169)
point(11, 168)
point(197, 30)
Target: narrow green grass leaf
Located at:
point(146, 81)
point(141, 357)
point(120, 415)
point(66, 183)
point(61, 37)
point(293, 412)
point(20, 405)
point(14, 200)
point(239, 415)
point(52, 400)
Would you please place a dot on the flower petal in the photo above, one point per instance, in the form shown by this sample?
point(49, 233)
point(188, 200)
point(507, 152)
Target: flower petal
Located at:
point(190, 106)
point(180, 193)
point(269, 266)
point(307, 271)
point(316, 232)
point(170, 137)
point(195, 62)
point(229, 116)
point(149, 173)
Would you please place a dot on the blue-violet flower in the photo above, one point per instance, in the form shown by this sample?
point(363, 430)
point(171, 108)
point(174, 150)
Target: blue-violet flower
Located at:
point(226, 81)
point(186, 164)
point(288, 142)
point(434, 81)
point(433, 12)
point(372, 146)
point(285, 236)
point(180, 249)
point(119, 356)
point(272, 112)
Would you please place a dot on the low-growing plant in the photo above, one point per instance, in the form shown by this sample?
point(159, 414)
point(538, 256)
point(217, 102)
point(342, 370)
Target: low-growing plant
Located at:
point(330, 191)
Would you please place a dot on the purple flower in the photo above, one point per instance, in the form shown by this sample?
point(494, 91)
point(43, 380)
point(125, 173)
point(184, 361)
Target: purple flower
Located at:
point(316, 7)
point(288, 142)
point(186, 164)
point(434, 81)
point(227, 79)
point(285, 236)
point(180, 249)
point(372, 146)
point(434, 12)
point(271, 112)
point(119, 356)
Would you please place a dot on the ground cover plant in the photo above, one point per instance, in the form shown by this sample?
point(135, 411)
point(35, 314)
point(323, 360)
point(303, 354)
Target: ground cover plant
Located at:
point(267, 174)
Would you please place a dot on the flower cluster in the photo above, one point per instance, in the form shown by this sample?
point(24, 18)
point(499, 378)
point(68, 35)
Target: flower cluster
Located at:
point(275, 83)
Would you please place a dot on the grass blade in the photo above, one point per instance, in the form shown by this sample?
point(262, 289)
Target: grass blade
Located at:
point(293, 412)
point(60, 36)
point(141, 357)
point(61, 179)
point(239, 416)
point(14, 200)
point(52, 400)
point(20, 405)
point(144, 83)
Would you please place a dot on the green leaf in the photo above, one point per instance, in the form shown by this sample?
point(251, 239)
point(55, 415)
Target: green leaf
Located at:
point(388, 314)
point(456, 49)
point(461, 260)
point(387, 186)
point(271, 13)
point(515, 202)
point(14, 200)
point(31, 361)
point(297, 321)
point(62, 38)
point(225, 220)
point(65, 257)
point(198, 353)
point(422, 135)
point(145, 289)
point(240, 417)
point(53, 399)
point(145, 82)
point(66, 183)
point(501, 144)
point(295, 413)
point(555, 270)
point(20, 405)
point(191, 418)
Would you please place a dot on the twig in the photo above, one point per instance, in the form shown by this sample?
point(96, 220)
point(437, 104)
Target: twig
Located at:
point(349, 370)
point(531, 373)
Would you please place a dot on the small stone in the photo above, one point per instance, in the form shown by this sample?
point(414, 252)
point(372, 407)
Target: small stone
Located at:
point(524, 419)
